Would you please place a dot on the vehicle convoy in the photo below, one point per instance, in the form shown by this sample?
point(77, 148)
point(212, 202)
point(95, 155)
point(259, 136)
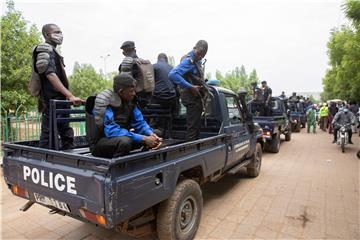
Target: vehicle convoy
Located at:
point(274, 125)
point(154, 190)
point(343, 136)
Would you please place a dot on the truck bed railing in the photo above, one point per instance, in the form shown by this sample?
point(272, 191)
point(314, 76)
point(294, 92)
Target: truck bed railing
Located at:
point(56, 118)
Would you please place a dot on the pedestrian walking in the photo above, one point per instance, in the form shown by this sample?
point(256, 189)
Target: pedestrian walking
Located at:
point(311, 118)
point(324, 113)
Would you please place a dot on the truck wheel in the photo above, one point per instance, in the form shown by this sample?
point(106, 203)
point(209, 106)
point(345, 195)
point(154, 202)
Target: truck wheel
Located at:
point(179, 216)
point(288, 136)
point(275, 144)
point(253, 169)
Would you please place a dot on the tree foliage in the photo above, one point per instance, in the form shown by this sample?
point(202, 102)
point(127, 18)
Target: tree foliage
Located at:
point(85, 81)
point(342, 79)
point(237, 79)
point(17, 41)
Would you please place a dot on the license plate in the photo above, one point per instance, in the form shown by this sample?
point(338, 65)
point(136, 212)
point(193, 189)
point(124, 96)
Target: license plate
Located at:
point(51, 202)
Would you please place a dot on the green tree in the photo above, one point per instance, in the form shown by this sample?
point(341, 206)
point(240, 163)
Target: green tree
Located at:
point(342, 79)
point(17, 41)
point(85, 81)
point(237, 79)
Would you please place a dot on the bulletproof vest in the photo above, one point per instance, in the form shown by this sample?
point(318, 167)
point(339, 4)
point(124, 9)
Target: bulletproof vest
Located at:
point(145, 81)
point(123, 114)
point(40, 62)
point(145, 77)
point(95, 124)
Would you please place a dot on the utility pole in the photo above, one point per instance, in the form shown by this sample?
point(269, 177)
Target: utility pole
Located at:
point(105, 57)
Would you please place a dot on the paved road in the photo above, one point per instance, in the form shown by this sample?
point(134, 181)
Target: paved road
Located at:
point(309, 190)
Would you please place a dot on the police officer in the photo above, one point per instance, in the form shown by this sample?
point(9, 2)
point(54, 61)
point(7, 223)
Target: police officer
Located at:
point(267, 92)
point(128, 65)
point(49, 64)
point(283, 96)
point(343, 117)
point(188, 76)
point(256, 105)
point(116, 112)
point(165, 92)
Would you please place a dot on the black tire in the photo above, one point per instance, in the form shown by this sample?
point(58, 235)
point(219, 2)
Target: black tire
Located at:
point(288, 136)
point(275, 144)
point(342, 145)
point(254, 167)
point(179, 216)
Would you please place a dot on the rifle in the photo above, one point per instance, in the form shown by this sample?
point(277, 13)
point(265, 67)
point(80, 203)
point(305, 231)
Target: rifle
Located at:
point(204, 92)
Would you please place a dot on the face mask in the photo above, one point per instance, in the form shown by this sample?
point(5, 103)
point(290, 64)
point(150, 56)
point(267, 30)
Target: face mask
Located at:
point(57, 38)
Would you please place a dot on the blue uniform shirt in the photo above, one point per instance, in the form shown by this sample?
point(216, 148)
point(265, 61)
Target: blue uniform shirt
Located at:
point(112, 129)
point(186, 66)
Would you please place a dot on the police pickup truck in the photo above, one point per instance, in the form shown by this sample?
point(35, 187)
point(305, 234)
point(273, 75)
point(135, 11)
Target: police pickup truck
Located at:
point(297, 115)
point(145, 191)
point(274, 125)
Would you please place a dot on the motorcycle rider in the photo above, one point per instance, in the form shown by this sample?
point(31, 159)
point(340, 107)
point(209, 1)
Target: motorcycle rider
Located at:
point(343, 117)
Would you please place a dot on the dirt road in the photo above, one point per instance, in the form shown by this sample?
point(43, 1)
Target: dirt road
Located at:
point(309, 190)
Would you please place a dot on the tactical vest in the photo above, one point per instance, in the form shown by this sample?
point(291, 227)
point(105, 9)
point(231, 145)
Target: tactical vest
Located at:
point(123, 114)
point(145, 79)
point(95, 125)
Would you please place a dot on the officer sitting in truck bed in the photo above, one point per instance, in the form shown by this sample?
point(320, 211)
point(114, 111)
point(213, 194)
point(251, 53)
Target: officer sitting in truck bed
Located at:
point(116, 114)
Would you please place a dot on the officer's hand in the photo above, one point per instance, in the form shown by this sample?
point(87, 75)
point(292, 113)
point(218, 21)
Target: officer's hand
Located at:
point(75, 100)
point(195, 90)
point(151, 141)
point(157, 137)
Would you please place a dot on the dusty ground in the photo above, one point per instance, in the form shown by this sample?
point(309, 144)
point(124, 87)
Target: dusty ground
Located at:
point(310, 190)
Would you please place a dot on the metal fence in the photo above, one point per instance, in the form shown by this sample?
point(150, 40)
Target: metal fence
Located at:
point(23, 125)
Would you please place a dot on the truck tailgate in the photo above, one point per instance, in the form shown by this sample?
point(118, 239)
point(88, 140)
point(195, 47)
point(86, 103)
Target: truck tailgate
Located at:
point(50, 183)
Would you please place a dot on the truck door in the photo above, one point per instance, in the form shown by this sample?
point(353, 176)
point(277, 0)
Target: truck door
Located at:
point(237, 130)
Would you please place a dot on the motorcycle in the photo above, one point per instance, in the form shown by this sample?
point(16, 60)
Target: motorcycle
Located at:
point(343, 136)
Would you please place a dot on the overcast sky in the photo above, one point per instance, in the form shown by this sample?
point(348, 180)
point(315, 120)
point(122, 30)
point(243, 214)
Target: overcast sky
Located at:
point(285, 41)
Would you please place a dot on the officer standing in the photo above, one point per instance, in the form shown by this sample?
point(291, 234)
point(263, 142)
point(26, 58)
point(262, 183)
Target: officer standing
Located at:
point(129, 65)
point(49, 64)
point(188, 76)
point(165, 92)
point(283, 96)
point(267, 92)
